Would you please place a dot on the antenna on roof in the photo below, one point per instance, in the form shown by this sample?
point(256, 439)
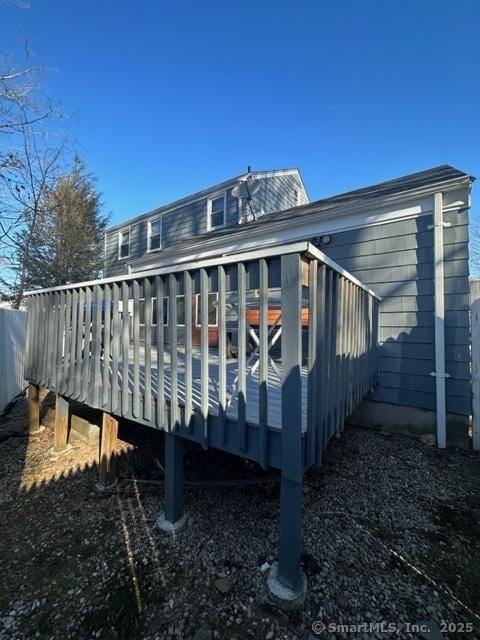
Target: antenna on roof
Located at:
point(245, 189)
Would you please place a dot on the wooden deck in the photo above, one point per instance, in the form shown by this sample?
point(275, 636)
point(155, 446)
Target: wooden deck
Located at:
point(274, 387)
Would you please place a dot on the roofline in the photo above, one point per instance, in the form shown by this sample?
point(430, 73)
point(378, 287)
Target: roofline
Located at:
point(312, 214)
point(199, 195)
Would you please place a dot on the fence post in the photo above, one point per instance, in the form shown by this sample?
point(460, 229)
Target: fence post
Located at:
point(286, 581)
point(475, 329)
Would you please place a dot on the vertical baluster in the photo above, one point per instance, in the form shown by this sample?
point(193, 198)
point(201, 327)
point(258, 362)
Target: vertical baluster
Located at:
point(326, 377)
point(204, 352)
point(263, 362)
point(358, 344)
point(54, 349)
point(136, 350)
point(367, 342)
point(321, 364)
point(107, 337)
point(147, 396)
point(67, 348)
point(349, 346)
point(125, 349)
point(370, 341)
point(242, 357)
point(188, 298)
point(29, 339)
point(362, 342)
point(86, 345)
point(312, 365)
point(45, 353)
point(29, 366)
point(115, 346)
point(159, 339)
point(173, 335)
point(80, 344)
point(95, 394)
point(73, 344)
point(49, 342)
point(340, 356)
point(60, 341)
point(222, 352)
point(333, 353)
point(35, 337)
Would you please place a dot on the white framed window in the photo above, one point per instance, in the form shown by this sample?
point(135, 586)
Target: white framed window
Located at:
point(217, 211)
point(154, 234)
point(212, 310)
point(166, 310)
point(124, 243)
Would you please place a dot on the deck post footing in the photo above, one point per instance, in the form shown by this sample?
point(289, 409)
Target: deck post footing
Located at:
point(40, 429)
point(284, 597)
point(171, 527)
point(54, 454)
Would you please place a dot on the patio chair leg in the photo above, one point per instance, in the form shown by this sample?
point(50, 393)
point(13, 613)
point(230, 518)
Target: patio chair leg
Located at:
point(173, 519)
point(62, 428)
point(287, 582)
point(33, 396)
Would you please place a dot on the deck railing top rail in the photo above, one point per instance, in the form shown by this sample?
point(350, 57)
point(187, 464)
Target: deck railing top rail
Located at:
point(306, 248)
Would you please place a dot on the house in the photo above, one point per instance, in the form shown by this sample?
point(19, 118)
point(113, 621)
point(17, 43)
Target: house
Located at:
point(383, 234)
point(137, 243)
point(354, 306)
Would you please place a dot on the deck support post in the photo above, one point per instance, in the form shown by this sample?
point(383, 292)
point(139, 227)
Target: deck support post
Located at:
point(173, 519)
point(62, 428)
point(287, 582)
point(108, 441)
point(33, 395)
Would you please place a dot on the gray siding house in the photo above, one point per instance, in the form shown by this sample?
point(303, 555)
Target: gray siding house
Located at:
point(139, 242)
point(385, 236)
point(367, 293)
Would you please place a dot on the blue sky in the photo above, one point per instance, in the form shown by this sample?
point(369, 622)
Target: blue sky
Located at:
point(169, 98)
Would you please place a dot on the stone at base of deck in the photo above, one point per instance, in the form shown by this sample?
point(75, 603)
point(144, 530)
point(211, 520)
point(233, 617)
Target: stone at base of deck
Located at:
point(171, 527)
point(284, 597)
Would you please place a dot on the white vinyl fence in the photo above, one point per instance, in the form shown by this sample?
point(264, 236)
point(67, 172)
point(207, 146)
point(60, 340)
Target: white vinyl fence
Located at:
point(12, 354)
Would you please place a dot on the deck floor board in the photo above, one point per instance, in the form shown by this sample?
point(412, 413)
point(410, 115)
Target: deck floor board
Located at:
point(252, 387)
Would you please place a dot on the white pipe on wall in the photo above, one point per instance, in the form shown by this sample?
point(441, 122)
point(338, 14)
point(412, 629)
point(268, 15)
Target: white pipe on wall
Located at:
point(439, 372)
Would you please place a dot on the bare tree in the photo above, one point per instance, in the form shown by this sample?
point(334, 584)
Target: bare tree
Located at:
point(30, 159)
point(24, 189)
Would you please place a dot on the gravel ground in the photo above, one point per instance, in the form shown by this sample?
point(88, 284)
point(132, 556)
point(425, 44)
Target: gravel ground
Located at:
point(391, 533)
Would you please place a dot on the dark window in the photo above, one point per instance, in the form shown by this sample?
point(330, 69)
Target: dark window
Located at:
point(154, 311)
point(217, 212)
point(124, 243)
point(155, 234)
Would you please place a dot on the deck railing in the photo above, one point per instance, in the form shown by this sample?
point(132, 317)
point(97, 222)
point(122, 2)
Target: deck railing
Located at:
point(155, 347)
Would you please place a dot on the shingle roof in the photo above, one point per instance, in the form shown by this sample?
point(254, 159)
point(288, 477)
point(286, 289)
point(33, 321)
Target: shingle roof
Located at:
point(436, 175)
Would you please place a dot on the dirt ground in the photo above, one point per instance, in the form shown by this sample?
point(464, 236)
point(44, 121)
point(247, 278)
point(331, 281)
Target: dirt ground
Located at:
point(391, 537)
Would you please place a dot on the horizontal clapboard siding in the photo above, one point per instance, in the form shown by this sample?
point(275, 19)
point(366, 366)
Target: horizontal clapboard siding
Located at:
point(276, 193)
point(396, 260)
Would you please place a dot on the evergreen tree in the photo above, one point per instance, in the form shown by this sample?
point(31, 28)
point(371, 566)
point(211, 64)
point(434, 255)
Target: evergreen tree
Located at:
point(69, 240)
